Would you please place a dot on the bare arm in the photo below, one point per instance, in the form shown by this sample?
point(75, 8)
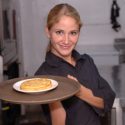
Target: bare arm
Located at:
point(87, 95)
point(58, 114)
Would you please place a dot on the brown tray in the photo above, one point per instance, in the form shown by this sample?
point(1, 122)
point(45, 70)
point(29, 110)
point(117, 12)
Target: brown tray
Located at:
point(65, 89)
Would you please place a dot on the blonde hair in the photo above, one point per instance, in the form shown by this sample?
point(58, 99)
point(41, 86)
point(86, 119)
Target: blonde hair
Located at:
point(62, 10)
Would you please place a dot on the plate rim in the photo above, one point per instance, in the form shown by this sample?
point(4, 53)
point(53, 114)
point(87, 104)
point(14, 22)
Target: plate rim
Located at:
point(16, 86)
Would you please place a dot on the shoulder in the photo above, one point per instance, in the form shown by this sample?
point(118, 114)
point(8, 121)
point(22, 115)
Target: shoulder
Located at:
point(87, 57)
point(42, 69)
point(89, 62)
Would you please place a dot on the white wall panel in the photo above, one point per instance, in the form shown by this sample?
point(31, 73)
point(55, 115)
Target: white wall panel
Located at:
point(96, 30)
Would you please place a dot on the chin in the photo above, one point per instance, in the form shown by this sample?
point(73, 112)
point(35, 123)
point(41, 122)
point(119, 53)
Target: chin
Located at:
point(65, 54)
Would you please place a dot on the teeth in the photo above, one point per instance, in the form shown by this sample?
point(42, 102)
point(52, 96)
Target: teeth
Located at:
point(65, 46)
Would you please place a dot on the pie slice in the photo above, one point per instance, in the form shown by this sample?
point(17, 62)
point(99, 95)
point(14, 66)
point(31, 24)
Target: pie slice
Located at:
point(36, 84)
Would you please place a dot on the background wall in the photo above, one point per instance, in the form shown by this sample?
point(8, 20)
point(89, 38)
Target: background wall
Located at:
point(96, 32)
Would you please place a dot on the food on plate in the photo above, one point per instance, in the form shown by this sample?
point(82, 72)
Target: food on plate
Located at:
point(36, 84)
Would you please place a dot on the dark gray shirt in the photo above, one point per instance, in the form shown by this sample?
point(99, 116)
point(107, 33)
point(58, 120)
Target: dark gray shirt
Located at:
point(78, 111)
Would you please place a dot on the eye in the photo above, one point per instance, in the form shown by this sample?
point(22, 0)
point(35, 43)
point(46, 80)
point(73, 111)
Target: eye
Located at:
point(74, 33)
point(59, 32)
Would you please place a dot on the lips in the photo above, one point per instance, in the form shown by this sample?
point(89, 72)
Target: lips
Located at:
point(65, 46)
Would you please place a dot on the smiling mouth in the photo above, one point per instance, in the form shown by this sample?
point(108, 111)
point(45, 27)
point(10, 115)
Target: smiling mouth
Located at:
point(65, 47)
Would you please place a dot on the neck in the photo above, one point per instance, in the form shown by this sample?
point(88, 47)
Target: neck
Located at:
point(67, 58)
point(70, 60)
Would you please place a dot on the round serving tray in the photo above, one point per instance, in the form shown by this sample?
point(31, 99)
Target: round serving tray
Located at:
point(65, 89)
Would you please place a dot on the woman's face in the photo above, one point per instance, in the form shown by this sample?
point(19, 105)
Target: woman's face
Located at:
point(64, 36)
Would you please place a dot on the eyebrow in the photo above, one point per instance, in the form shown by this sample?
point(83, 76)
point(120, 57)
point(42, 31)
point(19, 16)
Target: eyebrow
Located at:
point(64, 30)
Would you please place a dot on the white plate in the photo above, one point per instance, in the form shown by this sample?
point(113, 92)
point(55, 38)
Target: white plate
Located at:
point(16, 86)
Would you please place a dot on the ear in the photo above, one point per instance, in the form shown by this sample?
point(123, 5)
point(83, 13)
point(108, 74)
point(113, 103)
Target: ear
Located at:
point(47, 32)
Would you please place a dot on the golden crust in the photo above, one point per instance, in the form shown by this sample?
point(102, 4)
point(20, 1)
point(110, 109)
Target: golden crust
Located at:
point(36, 84)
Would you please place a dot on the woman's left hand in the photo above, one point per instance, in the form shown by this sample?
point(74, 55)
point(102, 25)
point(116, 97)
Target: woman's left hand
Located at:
point(87, 95)
point(72, 77)
point(78, 94)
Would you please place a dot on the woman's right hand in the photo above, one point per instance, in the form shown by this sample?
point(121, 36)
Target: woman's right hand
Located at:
point(56, 110)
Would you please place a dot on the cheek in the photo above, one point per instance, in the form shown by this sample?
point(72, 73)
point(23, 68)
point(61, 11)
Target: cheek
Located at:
point(74, 39)
point(55, 39)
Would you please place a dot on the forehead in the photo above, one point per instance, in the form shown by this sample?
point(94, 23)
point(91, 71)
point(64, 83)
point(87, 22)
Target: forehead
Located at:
point(66, 22)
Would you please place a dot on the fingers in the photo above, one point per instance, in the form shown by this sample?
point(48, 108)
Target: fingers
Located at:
point(72, 77)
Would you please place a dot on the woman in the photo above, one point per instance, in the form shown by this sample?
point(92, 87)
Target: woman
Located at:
point(95, 96)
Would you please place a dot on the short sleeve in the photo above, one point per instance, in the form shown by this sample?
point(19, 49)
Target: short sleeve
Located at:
point(103, 90)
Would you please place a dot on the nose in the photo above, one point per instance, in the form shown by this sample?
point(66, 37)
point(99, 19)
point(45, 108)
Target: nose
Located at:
point(66, 38)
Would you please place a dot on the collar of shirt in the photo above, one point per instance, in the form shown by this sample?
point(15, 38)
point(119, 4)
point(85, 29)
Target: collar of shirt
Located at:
point(54, 60)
